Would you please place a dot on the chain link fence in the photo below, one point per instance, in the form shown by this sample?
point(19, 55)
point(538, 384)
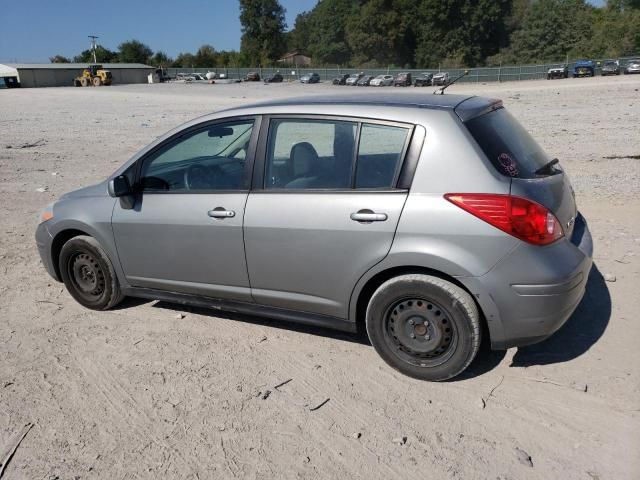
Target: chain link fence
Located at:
point(476, 75)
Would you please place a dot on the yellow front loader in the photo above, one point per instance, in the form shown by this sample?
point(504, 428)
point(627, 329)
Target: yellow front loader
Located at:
point(93, 75)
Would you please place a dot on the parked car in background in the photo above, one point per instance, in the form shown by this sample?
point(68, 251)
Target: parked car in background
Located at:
point(402, 79)
point(365, 81)
point(610, 67)
point(252, 77)
point(429, 256)
point(423, 80)
point(353, 79)
point(584, 68)
point(310, 78)
point(190, 77)
point(382, 81)
point(632, 66)
point(558, 72)
point(340, 79)
point(274, 78)
point(440, 78)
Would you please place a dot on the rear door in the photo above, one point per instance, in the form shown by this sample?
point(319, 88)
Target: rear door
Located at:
point(534, 174)
point(323, 210)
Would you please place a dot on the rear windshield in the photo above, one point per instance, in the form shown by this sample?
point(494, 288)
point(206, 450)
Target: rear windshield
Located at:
point(512, 151)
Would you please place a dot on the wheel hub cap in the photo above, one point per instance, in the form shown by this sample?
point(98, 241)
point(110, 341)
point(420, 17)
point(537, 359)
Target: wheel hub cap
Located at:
point(88, 275)
point(420, 328)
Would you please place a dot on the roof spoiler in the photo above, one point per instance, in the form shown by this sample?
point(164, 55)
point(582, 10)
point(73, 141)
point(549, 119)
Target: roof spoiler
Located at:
point(473, 107)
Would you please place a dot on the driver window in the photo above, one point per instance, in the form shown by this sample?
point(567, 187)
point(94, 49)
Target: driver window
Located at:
point(212, 158)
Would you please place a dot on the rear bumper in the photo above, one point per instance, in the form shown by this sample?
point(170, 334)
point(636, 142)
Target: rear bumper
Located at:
point(43, 241)
point(533, 291)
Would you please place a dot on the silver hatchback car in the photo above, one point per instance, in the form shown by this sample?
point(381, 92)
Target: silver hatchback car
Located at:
point(428, 220)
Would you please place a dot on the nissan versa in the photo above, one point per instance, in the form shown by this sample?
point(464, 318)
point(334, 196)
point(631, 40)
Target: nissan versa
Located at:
point(428, 220)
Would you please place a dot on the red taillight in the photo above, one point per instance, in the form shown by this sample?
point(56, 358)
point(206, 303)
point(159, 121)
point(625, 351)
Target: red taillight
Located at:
point(522, 218)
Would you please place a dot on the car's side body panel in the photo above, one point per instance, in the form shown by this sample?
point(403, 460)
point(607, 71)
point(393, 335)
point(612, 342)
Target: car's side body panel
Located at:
point(305, 252)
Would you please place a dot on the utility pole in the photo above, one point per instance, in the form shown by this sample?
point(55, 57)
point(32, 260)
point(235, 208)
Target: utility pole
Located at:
point(93, 47)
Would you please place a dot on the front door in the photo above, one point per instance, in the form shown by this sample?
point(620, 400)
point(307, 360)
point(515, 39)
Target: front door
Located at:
point(184, 233)
point(325, 210)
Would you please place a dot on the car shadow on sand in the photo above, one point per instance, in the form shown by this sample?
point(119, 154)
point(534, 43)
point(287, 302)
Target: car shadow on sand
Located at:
point(583, 329)
point(267, 322)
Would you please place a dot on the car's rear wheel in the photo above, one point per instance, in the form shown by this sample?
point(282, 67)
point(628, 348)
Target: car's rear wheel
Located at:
point(424, 326)
point(88, 274)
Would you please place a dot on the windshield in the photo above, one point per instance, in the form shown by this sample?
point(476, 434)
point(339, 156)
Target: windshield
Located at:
point(509, 147)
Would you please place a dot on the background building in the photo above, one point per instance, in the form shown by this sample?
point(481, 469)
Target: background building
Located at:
point(62, 74)
point(297, 57)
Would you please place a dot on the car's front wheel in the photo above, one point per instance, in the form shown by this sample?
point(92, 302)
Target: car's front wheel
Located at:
point(88, 274)
point(424, 326)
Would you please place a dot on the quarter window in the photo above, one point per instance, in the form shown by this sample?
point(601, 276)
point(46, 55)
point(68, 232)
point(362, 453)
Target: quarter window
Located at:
point(379, 155)
point(212, 158)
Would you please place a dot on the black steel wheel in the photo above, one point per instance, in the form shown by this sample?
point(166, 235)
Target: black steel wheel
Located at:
point(424, 326)
point(88, 274)
point(420, 332)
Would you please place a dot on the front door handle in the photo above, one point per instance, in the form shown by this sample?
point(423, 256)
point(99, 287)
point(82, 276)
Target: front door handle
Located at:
point(368, 216)
point(221, 212)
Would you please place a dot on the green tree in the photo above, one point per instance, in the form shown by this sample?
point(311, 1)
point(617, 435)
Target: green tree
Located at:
point(184, 60)
point(134, 51)
point(553, 29)
point(455, 33)
point(263, 26)
point(327, 31)
point(59, 59)
point(103, 55)
point(160, 59)
point(299, 37)
point(615, 30)
point(206, 56)
point(372, 34)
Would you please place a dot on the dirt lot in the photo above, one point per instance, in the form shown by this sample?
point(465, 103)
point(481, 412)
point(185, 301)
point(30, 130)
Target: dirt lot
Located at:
point(154, 391)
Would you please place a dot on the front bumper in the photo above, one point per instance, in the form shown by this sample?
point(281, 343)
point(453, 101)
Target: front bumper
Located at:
point(44, 242)
point(534, 290)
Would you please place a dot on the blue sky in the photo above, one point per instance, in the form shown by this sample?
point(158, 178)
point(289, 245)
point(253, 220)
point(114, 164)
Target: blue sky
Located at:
point(34, 30)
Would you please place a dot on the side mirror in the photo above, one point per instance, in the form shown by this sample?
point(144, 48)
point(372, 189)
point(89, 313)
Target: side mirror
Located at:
point(119, 186)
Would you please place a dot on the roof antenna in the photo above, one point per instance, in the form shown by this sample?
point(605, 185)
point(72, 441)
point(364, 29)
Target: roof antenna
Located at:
point(441, 90)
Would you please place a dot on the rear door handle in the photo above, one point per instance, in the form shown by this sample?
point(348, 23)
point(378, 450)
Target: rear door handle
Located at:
point(220, 212)
point(368, 216)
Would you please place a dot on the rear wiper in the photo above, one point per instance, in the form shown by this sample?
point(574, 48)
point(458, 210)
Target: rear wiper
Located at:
point(546, 168)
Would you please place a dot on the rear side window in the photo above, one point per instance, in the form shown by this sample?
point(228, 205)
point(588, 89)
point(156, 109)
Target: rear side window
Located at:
point(509, 147)
point(329, 154)
point(379, 155)
point(310, 154)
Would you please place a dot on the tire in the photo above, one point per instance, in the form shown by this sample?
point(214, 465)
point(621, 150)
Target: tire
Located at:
point(97, 81)
point(442, 317)
point(88, 274)
point(84, 81)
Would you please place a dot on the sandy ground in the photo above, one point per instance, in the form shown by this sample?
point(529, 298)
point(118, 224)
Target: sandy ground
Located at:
point(139, 392)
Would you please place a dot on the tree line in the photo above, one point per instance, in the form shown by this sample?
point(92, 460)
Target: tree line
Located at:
point(413, 34)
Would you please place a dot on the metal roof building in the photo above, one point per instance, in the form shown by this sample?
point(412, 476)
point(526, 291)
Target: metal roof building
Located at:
point(62, 74)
